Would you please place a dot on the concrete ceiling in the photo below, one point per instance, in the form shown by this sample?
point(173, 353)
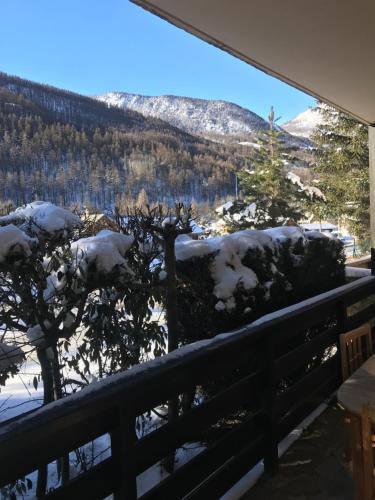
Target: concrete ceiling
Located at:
point(323, 47)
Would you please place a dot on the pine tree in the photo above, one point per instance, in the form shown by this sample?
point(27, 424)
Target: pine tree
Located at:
point(343, 169)
point(271, 198)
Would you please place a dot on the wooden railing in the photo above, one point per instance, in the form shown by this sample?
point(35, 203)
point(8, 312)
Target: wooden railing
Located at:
point(268, 377)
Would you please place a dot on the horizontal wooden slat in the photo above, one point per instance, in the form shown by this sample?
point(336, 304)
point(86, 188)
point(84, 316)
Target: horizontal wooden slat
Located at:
point(159, 443)
point(199, 468)
point(96, 483)
point(81, 426)
point(361, 317)
point(306, 384)
point(363, 289)
point(221, 481)
point(296, 327)
point(305, 352)
point(52, 440)
point(303, 408)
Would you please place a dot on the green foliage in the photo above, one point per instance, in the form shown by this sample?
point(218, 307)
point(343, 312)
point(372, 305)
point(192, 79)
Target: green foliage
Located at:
point(343, 169)
point(107, 317)
point(195, 299)
point(120, 330)
point(119, 333)
point(287, 275)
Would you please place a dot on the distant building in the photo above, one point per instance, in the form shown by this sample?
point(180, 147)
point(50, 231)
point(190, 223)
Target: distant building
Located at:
point(198, 231)
point(324, 227)
point(97, 222)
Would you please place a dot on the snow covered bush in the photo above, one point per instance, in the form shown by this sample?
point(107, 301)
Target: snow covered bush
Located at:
point(79, 303)
point(43, 219)
point(231, 280)
point(53, 283)
point(120, 329)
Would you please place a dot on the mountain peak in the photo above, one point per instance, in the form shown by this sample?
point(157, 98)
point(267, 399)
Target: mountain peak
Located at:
point(196, 116)
point(304, 123)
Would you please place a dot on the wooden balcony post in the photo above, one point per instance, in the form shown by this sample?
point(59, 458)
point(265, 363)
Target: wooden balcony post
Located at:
point(123, 439)
point(271, 456)
point(371, 147)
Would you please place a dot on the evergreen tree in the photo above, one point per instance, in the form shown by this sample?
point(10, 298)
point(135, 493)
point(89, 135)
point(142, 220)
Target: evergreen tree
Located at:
point(271, 197)
point(343, 169)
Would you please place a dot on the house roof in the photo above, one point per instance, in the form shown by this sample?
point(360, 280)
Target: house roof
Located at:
point(324, 226)
point(323, 47)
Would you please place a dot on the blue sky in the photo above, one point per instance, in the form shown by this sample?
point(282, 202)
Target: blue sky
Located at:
point(95, 46)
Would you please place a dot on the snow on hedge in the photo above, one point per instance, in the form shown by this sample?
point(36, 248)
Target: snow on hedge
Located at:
point(228, 270)
point(10, 355)
point(286, 233)
point(14, 242)
point(106, 250)
point(45, 217)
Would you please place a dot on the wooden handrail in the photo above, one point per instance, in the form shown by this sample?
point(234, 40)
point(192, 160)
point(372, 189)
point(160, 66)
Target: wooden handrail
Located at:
point(102, 407)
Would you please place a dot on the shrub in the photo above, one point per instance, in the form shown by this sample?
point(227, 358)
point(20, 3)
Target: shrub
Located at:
point(228, 281)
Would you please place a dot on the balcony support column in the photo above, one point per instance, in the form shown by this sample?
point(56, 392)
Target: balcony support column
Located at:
point(371, 148)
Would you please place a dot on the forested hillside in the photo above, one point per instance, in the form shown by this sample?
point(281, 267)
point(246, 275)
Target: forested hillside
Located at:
point(68, 148)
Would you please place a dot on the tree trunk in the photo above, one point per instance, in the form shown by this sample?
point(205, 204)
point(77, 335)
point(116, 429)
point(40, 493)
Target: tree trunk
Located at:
point(62, 463)
point(47, 377)
point(172, 324)
point(170, 267)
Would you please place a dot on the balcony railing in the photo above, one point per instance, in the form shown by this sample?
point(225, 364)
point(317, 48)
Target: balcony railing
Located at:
point(269, 376)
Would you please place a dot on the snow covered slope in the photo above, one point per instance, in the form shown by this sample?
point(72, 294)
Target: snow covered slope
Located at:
point(208, 118)
point(304, 123)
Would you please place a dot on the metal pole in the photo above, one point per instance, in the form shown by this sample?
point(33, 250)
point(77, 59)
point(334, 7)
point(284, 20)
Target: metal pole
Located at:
point(371, 148)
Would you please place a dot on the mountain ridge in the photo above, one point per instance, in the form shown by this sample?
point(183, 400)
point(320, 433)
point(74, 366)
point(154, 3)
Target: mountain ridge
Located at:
point(211, 119)
point(304, 123)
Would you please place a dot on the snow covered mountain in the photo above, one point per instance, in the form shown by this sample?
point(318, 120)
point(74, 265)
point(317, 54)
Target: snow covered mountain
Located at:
point(304, 123)
point(208, 118)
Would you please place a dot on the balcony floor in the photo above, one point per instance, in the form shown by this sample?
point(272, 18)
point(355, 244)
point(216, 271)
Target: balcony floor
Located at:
point(313, 467)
